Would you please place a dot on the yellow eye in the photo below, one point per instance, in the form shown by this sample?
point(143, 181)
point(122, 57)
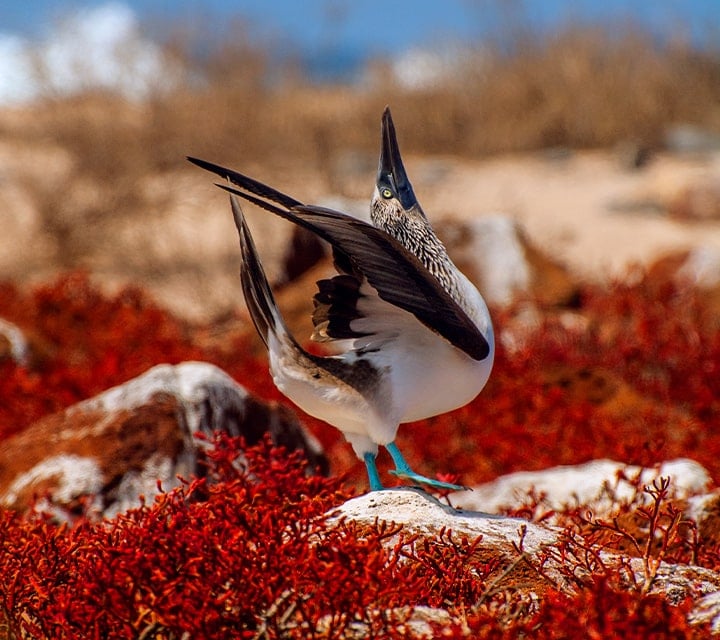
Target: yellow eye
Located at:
point(386, 193)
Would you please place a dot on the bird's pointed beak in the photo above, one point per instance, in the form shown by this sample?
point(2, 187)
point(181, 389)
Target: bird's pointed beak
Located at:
point(391, 169)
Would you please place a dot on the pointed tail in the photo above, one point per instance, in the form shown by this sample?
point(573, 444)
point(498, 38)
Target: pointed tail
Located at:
point(256, 288)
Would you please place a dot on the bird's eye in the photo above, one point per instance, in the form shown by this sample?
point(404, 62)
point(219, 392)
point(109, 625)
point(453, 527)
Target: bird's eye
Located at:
point(386, 193)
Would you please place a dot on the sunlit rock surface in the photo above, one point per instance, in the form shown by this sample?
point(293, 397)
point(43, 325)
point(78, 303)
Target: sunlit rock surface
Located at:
point(117, 446)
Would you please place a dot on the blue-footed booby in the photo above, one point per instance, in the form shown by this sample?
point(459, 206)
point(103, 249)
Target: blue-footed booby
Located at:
point(409, 335)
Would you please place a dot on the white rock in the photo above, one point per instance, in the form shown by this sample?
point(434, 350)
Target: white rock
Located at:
point(75, 475)
point(416, 623)
point(501, 258)
point(707, 610)
point(701, 267)
point(597, 484)
point(186, 381)
point(420, 513)
point(674, 582)
point(116, 447)
point(19, 346)
point(207, 393)
point(702, 506)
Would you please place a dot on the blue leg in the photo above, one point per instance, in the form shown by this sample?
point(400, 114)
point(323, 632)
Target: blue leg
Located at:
point(403, 470)
point(373, 475)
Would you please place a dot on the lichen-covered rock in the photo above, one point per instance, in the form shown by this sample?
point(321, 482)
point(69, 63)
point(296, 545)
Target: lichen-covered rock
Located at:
point(598, 485)
point(117, 446)
point(535, 558)
point(502, 537)
point(707, 611)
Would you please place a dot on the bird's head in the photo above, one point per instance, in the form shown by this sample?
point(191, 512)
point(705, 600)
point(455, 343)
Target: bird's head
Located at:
point(393, 198)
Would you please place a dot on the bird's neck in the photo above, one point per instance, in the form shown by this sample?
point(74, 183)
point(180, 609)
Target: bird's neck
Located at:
point(414, 232)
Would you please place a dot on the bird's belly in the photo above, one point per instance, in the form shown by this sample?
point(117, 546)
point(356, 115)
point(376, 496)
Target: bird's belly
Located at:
point(427, 384)
point(331, 402)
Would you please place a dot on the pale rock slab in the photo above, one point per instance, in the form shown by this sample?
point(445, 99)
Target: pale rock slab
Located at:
point(598, 484)
point(520, 544)
point(120, 445)
point(14, 343)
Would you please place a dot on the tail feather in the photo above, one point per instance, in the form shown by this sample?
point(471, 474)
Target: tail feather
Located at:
point(256, 288)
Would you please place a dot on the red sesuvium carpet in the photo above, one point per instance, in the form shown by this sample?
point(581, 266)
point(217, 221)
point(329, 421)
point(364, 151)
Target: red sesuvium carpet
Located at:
point(245, 551)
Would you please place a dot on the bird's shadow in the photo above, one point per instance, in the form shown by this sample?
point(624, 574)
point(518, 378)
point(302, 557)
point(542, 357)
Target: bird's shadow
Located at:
point(449, 509)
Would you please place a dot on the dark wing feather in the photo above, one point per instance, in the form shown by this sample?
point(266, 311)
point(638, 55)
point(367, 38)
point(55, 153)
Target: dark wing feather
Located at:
point(336, 301)
point(335, 308)
point(342, 262)
point(397, 275)
point(253, 186)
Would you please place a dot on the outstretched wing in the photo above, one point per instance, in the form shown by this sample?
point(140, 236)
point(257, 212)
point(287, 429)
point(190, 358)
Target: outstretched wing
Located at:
point(394, 272)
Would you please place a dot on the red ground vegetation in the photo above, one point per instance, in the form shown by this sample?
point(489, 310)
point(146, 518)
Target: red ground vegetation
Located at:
point(246, 552)
point(638, 384)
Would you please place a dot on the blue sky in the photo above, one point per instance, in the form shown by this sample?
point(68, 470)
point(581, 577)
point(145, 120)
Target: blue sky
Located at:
point(383, 26)
point(331, 38)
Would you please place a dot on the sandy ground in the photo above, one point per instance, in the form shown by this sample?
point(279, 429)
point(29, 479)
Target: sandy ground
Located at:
point(589, 210)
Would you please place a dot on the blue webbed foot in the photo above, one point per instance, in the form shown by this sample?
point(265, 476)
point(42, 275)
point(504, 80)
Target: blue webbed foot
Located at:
point(430, 482)
point(403, 470)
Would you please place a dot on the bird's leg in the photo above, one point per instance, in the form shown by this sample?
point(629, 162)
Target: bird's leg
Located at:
point(403, 470)
point(373, 475)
